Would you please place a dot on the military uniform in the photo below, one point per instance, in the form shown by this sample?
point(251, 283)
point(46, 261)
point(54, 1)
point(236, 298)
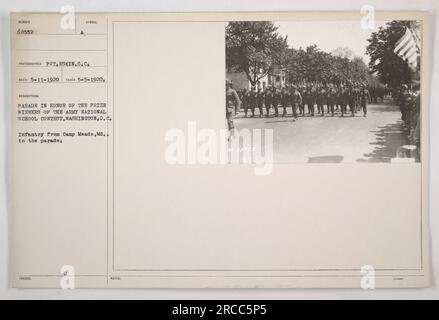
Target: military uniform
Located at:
point(313, 99)
point(276, 101)
point(364, 97)
point(344, 99)
point(296, 101)
point(260, 97)
point(339, 99)
point(321, 100)
point(252, 101)
point(285, 101)
point(351, 100)
point(233, 104)
point(304, 101)
point(268, 101)
point(309, 100)
point(357, 98)
point(332, 97)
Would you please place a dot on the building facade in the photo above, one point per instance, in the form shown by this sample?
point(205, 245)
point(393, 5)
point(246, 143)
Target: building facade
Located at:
point(277, 79)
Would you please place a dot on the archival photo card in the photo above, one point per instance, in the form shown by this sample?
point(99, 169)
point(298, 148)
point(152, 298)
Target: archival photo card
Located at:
point(220, 150)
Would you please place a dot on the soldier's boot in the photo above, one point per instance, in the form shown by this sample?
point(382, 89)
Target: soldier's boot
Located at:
point(276, 111)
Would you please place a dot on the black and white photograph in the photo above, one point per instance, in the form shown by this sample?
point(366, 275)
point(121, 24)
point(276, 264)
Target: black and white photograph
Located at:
point(331, 91)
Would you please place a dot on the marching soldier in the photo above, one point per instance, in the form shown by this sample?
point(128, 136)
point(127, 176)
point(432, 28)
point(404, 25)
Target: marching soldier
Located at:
point(276, 101)
point(357, 96)
point(296, 100)
point(338, 100)
point(313, 98)
point(329, 88)
point(285, 100)
point(305, 98)
point(321, 95)
point(252, 100)
point(233, 104)
point(351, 100)
point(344, 98)
point(309, 100)
point(260, 96)
point(268, 100)
point(302, 91)
point(364, 98)
point(331, 99)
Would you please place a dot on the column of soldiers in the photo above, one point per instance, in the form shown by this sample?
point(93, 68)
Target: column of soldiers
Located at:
point(408, 100)
point(309, 97)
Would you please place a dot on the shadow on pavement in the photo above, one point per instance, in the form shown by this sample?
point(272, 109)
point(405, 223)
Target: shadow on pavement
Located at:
point(276, 121)
point(384, 108)
point(388, 139)
point(326, 159)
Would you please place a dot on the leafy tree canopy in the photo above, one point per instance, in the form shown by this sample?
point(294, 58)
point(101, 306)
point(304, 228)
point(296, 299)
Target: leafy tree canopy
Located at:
point(257, 49)
point(390, 68)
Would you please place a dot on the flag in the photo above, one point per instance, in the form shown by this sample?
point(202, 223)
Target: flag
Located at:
point(407, 49)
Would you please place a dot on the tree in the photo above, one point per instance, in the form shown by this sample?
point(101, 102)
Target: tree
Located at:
point(312, 64)
point(359, 70)
point(255, 48)
point(390, 68)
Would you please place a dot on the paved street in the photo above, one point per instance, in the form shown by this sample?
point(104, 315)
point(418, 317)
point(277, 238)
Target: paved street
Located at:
point(318, 139)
